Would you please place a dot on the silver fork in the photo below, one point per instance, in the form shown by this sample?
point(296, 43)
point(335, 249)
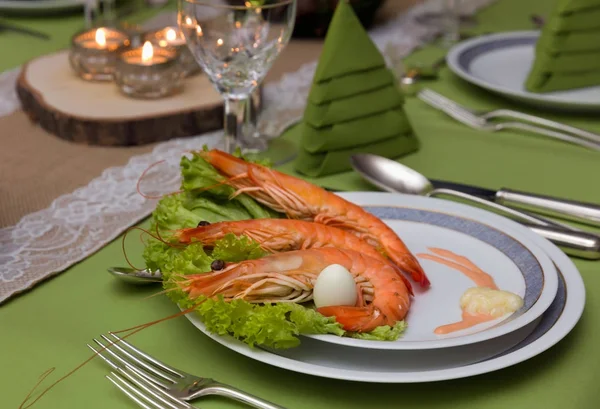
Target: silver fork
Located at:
point(145, 393)
point(508, 113)
point(173, 381)
point(470, 119)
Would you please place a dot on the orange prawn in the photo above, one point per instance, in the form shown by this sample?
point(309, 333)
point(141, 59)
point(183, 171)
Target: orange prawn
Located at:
point(383, 298)
point(302, 200)
point(275, 235)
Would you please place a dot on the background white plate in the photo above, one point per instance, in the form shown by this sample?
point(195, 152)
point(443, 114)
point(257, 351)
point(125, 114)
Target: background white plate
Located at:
point(501, 62)
point(555, 324)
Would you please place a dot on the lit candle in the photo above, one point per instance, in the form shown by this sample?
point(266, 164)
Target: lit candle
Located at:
point(173, 37)
point(149, 71)
point(102, 39)
point(146, 55)
point(167, 37)
point(93, 52)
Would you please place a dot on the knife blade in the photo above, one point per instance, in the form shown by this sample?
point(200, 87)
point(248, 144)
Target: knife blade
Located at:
point(484, 193)
point(581, 212)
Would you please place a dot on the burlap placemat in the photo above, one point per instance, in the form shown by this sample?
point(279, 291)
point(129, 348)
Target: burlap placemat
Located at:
point(37, 167)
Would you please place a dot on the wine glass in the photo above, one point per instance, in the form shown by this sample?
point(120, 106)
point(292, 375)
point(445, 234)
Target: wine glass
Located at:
point(236, 42)
point(445, 15)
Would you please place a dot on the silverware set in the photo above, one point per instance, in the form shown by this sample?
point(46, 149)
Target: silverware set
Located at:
point(518, 121)
point(153, 384)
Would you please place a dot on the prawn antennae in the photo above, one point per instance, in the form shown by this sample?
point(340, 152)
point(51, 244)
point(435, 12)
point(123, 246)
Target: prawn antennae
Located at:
point(157, 237)
point(139, 181)
point(134, 330)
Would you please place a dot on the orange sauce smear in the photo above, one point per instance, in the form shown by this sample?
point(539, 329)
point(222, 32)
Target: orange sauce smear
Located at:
point(468, 268)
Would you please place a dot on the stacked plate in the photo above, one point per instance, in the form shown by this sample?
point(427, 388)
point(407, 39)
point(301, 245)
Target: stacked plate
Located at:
point(517, 259)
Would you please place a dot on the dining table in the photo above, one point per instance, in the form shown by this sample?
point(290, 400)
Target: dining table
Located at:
point(47, 321)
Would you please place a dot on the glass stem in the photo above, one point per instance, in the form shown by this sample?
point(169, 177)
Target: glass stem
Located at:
point(235, 114)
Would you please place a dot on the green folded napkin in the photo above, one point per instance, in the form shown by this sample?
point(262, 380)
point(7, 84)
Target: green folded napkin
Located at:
point(360, 131)
point(320, 164)
point(567, 53)
point(570, 6)
point(354, 105)
point(357, 106)
point(549, 82)
point(347, 48)
point(568, 62)
point(564, 23)
point(570, 42)
point(352, 84)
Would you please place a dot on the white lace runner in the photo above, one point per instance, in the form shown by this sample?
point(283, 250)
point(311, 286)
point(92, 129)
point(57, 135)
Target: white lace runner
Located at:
point(76, 225)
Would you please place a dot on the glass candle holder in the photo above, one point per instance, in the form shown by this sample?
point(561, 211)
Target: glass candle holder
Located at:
point(173, 37)
point(94, 52)
point(149, 72)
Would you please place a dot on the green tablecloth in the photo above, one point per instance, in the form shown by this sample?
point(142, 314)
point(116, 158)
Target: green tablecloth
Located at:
point(51, 325)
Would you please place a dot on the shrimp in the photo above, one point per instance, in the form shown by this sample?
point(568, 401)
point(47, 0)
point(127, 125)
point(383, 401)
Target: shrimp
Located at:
point(276, 235)
point(301, 200)
point(383, 298)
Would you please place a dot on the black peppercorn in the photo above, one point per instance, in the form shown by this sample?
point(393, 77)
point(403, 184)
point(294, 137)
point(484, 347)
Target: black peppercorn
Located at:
point(203, 223)
point(217, 265)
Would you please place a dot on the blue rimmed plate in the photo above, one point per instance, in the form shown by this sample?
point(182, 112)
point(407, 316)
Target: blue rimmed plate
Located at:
point(328, 360)
point(500, 63)
point(514, 262)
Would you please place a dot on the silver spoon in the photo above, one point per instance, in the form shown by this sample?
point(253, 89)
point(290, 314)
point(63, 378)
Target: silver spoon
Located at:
point(140, 277)
point(392, 176)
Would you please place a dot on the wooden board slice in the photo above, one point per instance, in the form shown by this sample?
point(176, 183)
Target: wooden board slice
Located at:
point(97, 113)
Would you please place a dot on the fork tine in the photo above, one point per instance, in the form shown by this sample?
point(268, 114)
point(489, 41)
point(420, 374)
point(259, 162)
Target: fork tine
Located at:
point(108, 361)
point(153, 390)
point(150, 368)
point(147, 357)
point(124, 362)
point(125, 388)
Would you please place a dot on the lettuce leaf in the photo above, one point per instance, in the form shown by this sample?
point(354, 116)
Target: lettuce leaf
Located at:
point(171, 214)
point(235, 249)
point(189, 260)
point(383, 333)
point(267, 325)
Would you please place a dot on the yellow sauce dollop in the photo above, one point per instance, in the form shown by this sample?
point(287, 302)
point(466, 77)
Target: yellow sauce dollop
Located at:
point(487, 301)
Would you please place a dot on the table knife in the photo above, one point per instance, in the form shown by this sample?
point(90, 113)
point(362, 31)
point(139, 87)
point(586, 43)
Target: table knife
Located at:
point(586, 213)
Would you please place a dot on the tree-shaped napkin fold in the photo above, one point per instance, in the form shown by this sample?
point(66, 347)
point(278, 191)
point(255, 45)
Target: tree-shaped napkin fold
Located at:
point(567, 53)
point(354, 105)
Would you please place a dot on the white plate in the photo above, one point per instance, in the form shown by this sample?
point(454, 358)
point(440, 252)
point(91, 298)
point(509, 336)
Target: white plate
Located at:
point(40, 6)
point(516, 264)
point(555, 324)
point(501, 62)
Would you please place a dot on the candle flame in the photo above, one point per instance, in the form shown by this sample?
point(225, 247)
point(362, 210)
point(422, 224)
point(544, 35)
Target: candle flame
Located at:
point(220, 41)
point(199, 31)
point(171, 35)
point(101, 37)
point(188, 21)
point(147, 52)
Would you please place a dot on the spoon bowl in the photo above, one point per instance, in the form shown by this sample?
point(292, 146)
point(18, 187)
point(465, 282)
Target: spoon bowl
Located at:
point(390, 176)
